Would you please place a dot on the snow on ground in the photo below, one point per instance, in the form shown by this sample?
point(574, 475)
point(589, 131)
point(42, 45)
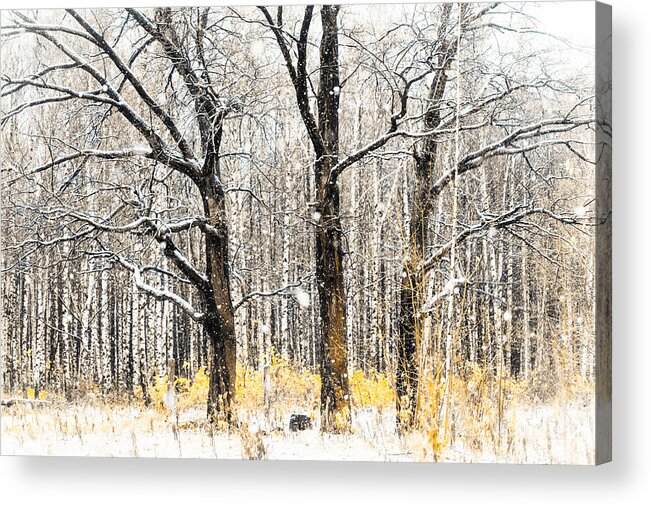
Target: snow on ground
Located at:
point(131, 431)
point(541, 434)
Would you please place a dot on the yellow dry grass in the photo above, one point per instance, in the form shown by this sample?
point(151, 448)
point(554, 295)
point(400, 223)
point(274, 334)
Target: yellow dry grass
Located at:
point(473, 418)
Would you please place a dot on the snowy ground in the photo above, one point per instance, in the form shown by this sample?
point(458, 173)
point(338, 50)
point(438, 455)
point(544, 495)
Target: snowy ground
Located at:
point(132, 431)
point(544, 434)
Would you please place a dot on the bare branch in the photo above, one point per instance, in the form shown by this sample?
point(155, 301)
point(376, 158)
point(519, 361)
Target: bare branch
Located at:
point(158, 294)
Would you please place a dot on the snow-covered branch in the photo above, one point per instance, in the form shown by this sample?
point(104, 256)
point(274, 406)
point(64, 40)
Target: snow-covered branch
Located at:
point(301, 297)
point(153, 105)
point(109, 95)
point(504, 220)
point(158, 294)
point(507, 146)
point(90, 153)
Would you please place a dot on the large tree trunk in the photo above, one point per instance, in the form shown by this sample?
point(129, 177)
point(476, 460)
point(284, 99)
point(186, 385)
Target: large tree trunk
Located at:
point(220, 320)
point(335, 395)
point(412, 290)
point(324, 134)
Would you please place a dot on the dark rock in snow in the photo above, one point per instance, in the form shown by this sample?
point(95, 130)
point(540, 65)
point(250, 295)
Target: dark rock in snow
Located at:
point(300, 422)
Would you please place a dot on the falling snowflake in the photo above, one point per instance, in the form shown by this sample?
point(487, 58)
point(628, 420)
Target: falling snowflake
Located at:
point(507, 316)
point(302, 298)
point(258, 47)
point(316, 216)
point(580, 211)
point(140, 150)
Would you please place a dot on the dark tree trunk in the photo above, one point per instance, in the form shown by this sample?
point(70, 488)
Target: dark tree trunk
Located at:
point(324, 135)
point(412, 289)
point(335, 394)
point(221, 389)
point(220, 320)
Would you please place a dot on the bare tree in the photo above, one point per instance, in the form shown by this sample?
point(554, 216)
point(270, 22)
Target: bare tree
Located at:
point(184, 138)
point(445, 119)
point(323, 130)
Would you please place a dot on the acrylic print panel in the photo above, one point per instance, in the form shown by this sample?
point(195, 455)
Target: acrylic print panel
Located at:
point(308, 232)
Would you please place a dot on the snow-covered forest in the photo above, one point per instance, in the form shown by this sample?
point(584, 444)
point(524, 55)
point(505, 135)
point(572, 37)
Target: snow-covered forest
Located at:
point(302, 232)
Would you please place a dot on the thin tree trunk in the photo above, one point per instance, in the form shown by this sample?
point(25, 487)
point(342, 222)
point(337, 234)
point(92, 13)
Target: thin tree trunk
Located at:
point(526, 350)
point(409, 324)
